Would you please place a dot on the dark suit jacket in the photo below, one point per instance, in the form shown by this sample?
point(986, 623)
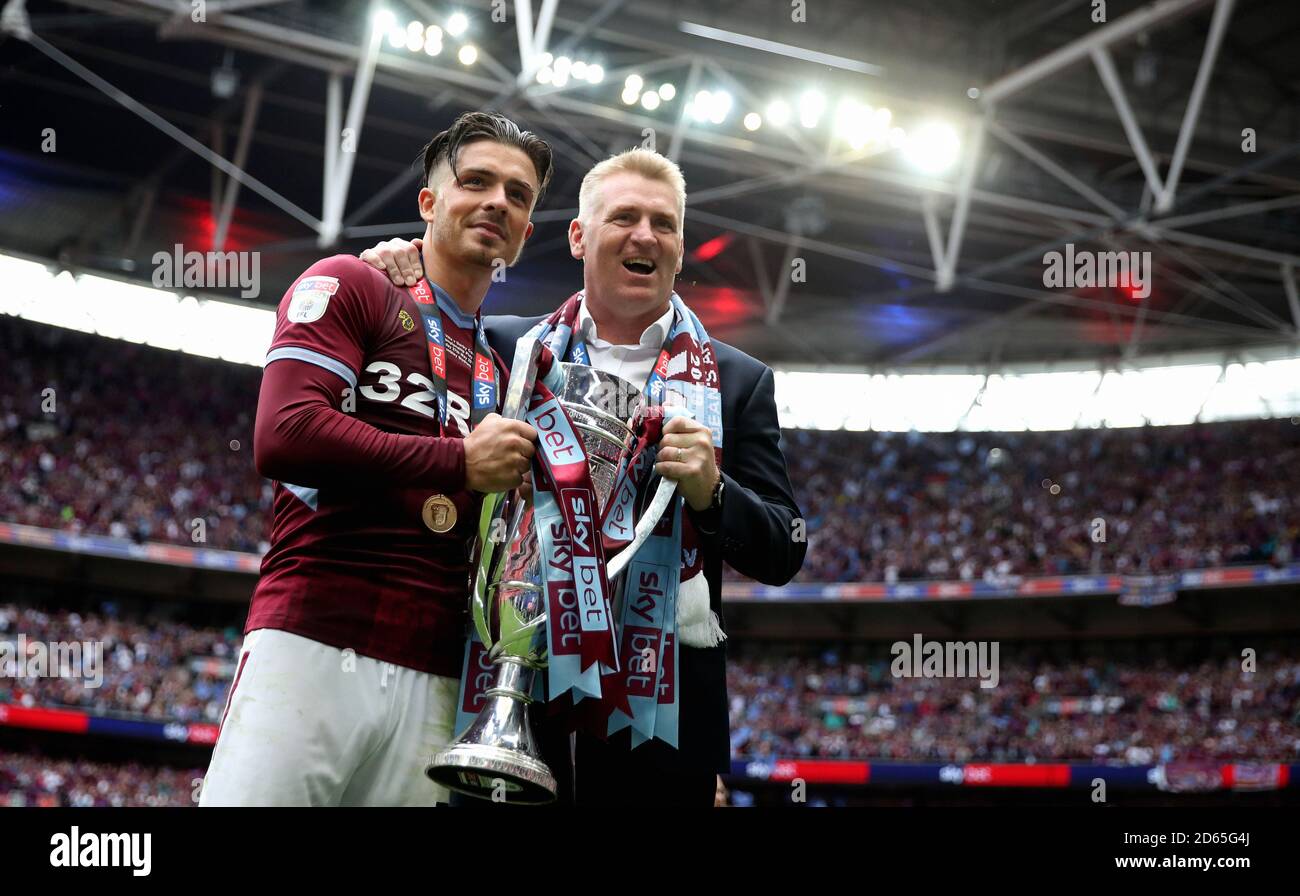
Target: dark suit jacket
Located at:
point(754, 537)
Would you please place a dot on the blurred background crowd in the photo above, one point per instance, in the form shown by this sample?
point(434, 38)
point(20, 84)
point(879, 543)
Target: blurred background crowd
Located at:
point(122, 448)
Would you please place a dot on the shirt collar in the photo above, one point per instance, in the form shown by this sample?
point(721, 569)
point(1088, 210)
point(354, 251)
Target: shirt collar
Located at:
point(449, 307)
point(651, 337)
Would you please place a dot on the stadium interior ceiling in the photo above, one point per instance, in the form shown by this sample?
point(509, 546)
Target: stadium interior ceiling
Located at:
point(1171, 128)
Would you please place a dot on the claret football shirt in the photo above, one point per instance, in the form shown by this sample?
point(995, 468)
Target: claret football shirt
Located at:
point(349, 429)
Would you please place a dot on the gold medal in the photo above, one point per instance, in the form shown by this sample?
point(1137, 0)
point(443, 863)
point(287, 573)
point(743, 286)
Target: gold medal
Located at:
point(439, 513)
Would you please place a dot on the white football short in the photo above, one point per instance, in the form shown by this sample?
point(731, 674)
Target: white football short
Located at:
point(307, 724)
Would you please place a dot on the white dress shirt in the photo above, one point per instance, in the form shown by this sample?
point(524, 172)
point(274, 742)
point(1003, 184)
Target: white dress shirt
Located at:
point(631, 362)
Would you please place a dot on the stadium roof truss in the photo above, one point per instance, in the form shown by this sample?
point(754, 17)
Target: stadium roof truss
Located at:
point(1230, 292)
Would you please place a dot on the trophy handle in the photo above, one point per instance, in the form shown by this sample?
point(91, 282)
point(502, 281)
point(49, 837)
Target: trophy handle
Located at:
point(658, 504)
point(486, 547)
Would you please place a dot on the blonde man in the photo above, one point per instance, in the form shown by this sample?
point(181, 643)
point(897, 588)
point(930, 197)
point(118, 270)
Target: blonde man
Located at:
point(738, 504)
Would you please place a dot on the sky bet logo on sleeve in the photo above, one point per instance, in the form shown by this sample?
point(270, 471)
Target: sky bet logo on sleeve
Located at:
point(310, 299)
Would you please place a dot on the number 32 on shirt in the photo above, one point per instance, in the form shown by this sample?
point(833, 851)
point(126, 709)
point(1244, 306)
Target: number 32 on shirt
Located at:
point(424, 401)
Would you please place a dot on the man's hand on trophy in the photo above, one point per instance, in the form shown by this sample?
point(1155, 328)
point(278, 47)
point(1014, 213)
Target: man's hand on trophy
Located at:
point(399, 259)
point(526, 488)
point(498, 453)
point(686, 456)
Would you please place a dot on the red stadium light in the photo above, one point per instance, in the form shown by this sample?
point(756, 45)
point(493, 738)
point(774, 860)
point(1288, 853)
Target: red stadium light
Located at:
point(1128, 290)
point(711, 249)
point(721, 306)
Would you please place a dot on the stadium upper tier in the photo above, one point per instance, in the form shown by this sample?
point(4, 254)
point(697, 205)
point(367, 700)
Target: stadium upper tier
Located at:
point(1234, 384)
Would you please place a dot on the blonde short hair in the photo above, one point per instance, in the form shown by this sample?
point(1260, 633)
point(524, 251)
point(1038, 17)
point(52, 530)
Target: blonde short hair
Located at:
point(645, 162)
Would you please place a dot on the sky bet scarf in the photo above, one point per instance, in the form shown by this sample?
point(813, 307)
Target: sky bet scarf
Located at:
point(615, 673)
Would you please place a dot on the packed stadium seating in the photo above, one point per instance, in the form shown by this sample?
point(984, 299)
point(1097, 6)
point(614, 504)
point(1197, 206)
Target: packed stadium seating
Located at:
point(142, 442)
point(895, 506)
point(132, 441)
point(791, 702)
point(30, 779)
point(151, 669)
point(1097, 709)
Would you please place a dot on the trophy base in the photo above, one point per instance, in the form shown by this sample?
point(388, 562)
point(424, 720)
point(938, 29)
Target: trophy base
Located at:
point(492, 773)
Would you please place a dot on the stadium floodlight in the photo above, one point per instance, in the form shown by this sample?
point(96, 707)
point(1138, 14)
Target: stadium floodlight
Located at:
point(545, 75)
point(812, 103)
point(847, 110)
point(384, 20)
point(897, 138)
point(579, 70)
point(563, 65)
point(631, 95)
point(457, 24)
point(595, 74)
point(650, 100)
point(702, 105)
point(396, 37)
point(859, 125)
point(850, 124)
point(634, 82)
point(561, 78)
point(433, 47)
point(753, 121)
point(468, 54)
point(667, 92)
point(778, 113)
point(710, 105)
point(414, 38)
point(933, 148)
point(721, 107)
point(545, 59)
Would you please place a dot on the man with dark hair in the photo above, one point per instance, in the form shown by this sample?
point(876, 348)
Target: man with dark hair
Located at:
point(377, 420)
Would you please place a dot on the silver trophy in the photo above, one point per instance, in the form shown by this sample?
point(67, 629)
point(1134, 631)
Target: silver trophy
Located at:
point(496, 757)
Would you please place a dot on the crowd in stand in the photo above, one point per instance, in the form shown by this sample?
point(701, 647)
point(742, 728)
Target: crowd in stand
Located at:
point(104, 437)
point(896, 506)
point(1098, 709)
point(786, 703)
point(29, 779)
point(167, 671)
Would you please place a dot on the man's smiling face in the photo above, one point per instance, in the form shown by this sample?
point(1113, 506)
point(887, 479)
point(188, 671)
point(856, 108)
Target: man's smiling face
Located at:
point(484, 215)
point(631, 246)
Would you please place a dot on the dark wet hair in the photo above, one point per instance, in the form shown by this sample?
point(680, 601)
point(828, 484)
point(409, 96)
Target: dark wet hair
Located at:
point(473, 126)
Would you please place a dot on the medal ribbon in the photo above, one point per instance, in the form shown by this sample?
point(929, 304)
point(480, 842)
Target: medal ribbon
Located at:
point(483, 400)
